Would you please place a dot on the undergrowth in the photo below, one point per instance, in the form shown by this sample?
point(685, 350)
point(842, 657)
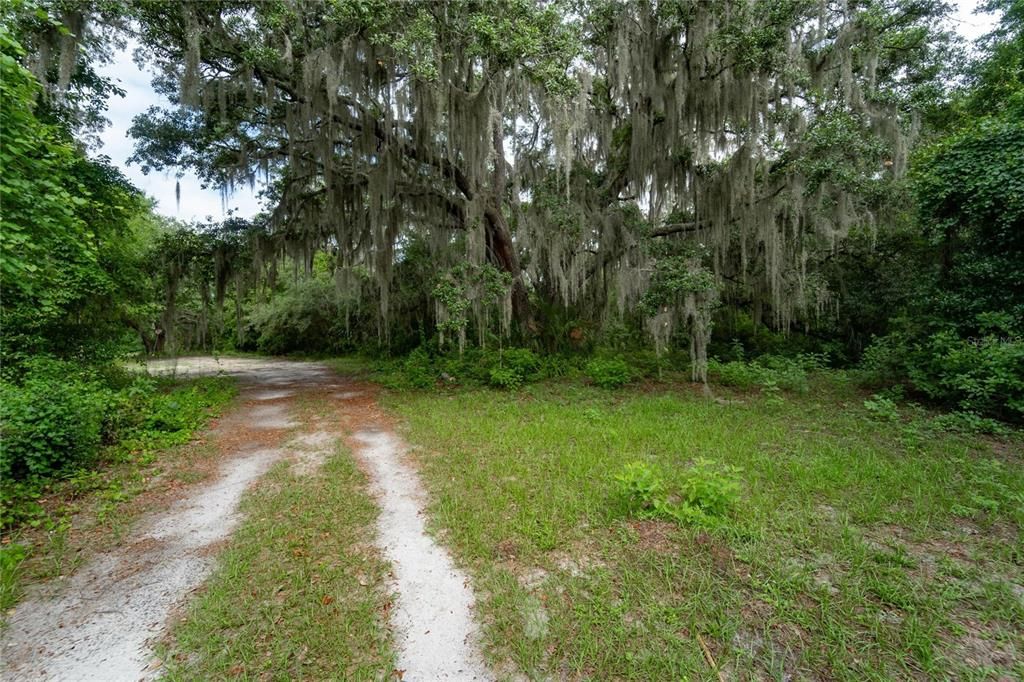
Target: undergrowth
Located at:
point(138, 418)
point(701, 494)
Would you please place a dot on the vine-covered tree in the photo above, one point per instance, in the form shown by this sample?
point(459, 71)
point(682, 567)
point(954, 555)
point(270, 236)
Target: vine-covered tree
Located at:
point(751, 136)
point(373, 119)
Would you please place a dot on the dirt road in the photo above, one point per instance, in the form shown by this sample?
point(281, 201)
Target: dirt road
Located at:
point(100, 623)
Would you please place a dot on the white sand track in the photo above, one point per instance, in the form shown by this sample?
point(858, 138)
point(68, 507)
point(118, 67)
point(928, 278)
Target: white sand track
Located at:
point(434, 612)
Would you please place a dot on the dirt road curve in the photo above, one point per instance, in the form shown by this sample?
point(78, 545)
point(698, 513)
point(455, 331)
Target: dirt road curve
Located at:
point(99, 623)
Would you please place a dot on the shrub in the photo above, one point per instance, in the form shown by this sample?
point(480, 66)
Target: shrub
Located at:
point(882, 408)
point(118, 425)
point(513, 368)
point(969, 423)
point(736, 373)
point(505, 377)
point(707, 492)
point(884, 361)
point(523, 361)
point(474, 366)
point(710, 487)
point(978, 375)
point(128, 407)
point(791, 373)
point(609, 372)
point(305, 317)
point(984, 375)
point(418, 369)
point(50, 421)
point(769, 372)
point(647, 363)
point(555, 366)
point(641, 486)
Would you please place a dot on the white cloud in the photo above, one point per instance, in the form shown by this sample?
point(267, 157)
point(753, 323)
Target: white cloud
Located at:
point(196, 203)
point(968, 24)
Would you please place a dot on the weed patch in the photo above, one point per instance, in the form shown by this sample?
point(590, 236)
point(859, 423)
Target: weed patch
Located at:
point(704, 492)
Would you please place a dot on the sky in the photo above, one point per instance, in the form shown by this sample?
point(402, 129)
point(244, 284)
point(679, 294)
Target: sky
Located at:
point(202, 204)
point(196, 203)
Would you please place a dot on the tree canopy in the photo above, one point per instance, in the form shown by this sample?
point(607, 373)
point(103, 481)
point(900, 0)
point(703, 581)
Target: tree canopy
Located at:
point(586, 151)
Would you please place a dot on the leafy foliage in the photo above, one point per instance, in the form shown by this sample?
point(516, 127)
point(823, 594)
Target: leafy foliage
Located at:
point(957, 338)
point(769, 370)
point(103, 414)
point(706, 492)
point(57, 415)
point(505, 377)
point(73, 232)
point(52, 420)
point(306, 316)
point(515, 367)
point(977, 374)
point(609, 372)
point(881, 407)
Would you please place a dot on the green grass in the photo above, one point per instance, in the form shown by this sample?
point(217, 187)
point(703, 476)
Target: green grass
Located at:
point(858, 550)
point(299, 591)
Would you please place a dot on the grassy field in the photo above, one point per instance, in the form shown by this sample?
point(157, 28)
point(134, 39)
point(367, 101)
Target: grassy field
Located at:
point(858, 549)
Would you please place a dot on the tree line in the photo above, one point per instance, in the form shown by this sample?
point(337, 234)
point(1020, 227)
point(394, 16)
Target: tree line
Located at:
point(691, 177)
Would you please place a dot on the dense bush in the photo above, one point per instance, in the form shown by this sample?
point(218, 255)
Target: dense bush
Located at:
point(982, 375)
point(505, 377)
point(510, 368)
point(523, 361)
point(56, 415)
point(770, 371)
point(306, 317)
point(50, 420)
point(419, 369)
point(515, 366)
point(609, 372)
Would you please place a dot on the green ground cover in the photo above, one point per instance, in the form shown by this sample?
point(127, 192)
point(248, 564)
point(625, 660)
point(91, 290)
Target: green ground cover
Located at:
point(50, 519)
point(860, 546)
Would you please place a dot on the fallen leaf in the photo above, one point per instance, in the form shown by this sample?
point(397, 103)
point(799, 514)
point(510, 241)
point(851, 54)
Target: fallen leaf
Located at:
point(328, 599)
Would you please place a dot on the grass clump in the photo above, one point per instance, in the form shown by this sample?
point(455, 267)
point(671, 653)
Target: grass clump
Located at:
point(11, 556)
